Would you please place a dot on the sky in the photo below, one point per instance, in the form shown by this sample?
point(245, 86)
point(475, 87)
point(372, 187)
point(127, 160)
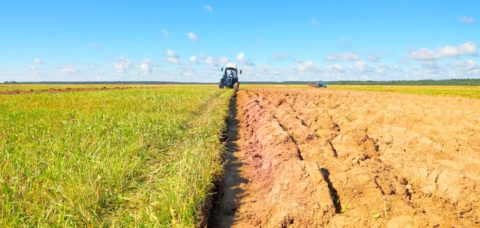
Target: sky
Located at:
point(189, 41)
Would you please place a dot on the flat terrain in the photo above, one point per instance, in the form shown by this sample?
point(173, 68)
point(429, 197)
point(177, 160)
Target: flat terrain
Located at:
point(151, 155)
point(316, 157)
point(113, 157)
point(452, 91)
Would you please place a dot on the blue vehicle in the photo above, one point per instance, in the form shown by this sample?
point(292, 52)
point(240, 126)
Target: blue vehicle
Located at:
point(230, 77)
point(318, 84)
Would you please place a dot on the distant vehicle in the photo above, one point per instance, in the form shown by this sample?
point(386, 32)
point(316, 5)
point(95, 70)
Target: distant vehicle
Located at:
point(318, 84)
point(230, 77)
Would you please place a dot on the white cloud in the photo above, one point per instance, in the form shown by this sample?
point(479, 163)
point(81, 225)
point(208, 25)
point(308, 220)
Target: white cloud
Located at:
point(346, 56)
point(208, 8)
point(146, 67)
point(467, 20)
point(194, 59)
point(173, 58)
point(69, 70)
point(360, 65)
point(468, 48)
point(165, 33)
point(209, 61)
point(315, 22)
point(468, 67)
point(122, 65)
point(223, 61)
point(304, 67)
point(241, 57)
point(335, 67)
point(192, 36)
point(37, 61)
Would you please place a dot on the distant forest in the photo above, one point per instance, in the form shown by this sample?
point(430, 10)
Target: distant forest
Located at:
point(468, 82)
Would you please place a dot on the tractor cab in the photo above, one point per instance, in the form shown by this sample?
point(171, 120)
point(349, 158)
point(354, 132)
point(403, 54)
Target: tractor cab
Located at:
point(230, 77)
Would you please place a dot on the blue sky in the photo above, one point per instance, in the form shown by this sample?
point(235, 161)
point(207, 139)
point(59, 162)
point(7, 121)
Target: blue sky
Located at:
point(66, 40)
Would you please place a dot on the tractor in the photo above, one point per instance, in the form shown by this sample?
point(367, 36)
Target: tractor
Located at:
point(230, 77)
point(318, 84)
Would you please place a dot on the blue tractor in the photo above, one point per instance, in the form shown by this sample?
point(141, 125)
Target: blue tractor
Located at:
point(230, 77)
point(318, 84)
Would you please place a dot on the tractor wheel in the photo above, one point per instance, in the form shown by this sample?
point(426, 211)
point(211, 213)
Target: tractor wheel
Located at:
point(220, 86)
point(236, 86)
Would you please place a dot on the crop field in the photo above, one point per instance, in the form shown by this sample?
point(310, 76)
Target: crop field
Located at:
point(113, 157)
point(455, 91)
point(267, 156)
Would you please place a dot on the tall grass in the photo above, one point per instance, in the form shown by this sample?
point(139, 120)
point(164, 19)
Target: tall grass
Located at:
point(127, 157)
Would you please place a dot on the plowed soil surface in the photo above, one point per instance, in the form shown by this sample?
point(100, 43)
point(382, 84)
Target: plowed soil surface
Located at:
point(312, 158)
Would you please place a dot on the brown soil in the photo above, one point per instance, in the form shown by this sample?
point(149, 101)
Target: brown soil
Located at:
point(311, 158)
point(59, 90)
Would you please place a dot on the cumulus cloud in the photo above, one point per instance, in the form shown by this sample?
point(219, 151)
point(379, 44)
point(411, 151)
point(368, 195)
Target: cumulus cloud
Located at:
point(192, 36)
point(360, 65)
point(173, 58)
point(146, 67)
point(69, 70)
point(122, 65)
point(467, 20)
point(468, 68)
point(37, 61)
point(305, 66)
point(468, 48)
point(241, 57)
point(208, 8)
point(223, 61)
point(335, 67)
point(346, 56)
point(209, 61)
point(315, 22)
point(194, 59)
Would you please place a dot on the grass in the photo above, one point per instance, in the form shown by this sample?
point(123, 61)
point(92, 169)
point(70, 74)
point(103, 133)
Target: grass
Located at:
point(36, 87)
point(452, 91)
point(109, 158)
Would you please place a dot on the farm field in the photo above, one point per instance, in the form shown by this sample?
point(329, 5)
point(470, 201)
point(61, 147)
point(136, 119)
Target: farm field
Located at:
point(294, 156)
point(454, 91)
point(9, 89)
point(322, 157)
point(113, 157)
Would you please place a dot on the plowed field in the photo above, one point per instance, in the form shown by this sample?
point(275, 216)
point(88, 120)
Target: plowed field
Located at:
point(309, 158)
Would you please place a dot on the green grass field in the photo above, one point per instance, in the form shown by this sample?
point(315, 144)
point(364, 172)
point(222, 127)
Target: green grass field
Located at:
point(36, 87)
point(110, 158)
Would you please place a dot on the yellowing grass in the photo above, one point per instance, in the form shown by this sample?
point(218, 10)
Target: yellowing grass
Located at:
point(457, 91)
point(116, 157)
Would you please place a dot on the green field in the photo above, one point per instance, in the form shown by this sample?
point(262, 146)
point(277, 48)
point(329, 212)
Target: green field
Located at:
point(454, 91)
point(36, 87)
point(110, 158)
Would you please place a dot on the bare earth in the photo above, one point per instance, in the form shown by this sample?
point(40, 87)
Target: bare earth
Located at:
point(310, 158)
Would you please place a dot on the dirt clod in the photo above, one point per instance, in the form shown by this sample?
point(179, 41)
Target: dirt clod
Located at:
point(312, 158)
